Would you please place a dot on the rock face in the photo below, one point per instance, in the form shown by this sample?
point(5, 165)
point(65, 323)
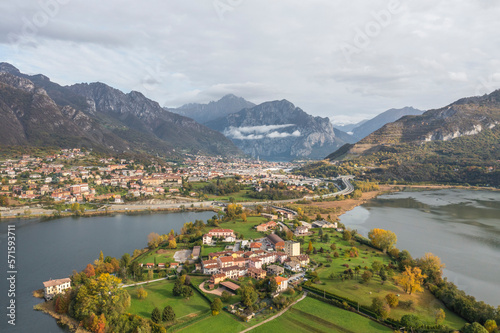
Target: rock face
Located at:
point(203, 113)
point(370, 126)
point(28, 116)
point(43, 113)
point(278, 131)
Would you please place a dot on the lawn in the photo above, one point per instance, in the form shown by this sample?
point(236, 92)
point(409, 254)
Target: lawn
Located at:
point(311, 315)
point(246, 228)
point(160, 295)
point(167, 257)
point(425, 304)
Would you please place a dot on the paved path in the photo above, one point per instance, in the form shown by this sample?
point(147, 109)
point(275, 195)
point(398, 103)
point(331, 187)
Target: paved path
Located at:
point(217, 291)
point(145, 282)
point(276, 315)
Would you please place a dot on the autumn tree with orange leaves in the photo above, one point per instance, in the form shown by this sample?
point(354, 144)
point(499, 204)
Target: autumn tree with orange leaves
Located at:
point(411, 279)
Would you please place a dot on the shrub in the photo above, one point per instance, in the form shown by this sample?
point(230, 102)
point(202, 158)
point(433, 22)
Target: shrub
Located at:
point(392, 300)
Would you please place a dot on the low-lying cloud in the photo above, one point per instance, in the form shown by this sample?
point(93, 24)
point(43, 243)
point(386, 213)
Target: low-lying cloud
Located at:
point(259, 132)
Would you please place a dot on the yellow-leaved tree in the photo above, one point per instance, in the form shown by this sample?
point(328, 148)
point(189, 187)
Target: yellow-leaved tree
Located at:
point(383, 239)
point(411, 279)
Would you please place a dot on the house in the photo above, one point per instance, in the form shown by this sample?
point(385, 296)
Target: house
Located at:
point(150, 265)
point(217, 278)
point(266, 226)
point(301, 231)
point(255, 246)
point(275, 270)
point(269, 216)
point(161, 265)
point(303, 259)
point(293, 264)
point(53, 287)
point(207, 239)
point(255, 262)
point(225, 261)
point(324, 224)
point(276, 241)
point(282, 283)
point(256, 273)
point(232, 272)
point(210, 267)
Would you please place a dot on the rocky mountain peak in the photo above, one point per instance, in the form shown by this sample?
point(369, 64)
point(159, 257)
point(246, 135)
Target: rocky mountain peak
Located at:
point(8, 68)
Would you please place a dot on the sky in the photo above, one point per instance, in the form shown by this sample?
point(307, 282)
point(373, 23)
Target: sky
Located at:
point(346, 60)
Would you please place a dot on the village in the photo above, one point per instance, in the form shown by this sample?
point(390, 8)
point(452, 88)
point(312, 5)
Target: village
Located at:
point(74, 176)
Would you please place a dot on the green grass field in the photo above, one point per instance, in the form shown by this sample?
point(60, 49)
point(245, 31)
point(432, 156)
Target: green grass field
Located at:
point(425, 304)
point(167, 257)
point(222, 323)
point(160, 295)
point(246, 228)
point(311, 315)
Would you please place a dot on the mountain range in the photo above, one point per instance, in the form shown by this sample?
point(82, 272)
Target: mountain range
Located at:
point(459, 142)
point(368, 126)
point(278, 130)
point(39, 112)
point(203, 113)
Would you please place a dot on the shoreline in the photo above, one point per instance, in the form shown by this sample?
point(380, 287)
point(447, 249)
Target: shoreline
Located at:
point(343, 205)
point(63, 320)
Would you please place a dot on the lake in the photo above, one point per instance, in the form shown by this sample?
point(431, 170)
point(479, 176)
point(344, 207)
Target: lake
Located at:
point(54, 248)
point(462, 227)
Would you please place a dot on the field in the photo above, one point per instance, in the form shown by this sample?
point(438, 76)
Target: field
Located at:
point(222, 323)
point(160, 295)
point(246, 228)
point(162, 257)
point(311, 315)
point(425, 303)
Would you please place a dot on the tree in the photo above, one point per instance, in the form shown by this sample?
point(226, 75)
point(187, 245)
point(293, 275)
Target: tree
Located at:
point(248, 295)
point(411, 279)
point(153, 240)
point(366, 276)
point(156, 315)
point(383, 275)
point(101, 257)
point(440, 316)
point(142, 293)
point(431, 266)
point(490, 325)
point(380, 307)
point(272, 287)
point(473, 328)
point(333, 247)
point(177, 290)
point(225, 296)
point(216, 306)
point(346, 235)
point(392, 300)
point(310, 247)
point(172, 244)
point(186, 292)
point(89, 270)
point(243, 217)
point(411, 321)
point(168, 314)
point(377, 266)
point(383, 239)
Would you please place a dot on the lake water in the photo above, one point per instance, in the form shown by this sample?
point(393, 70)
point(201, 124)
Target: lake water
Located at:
point(54, 248)
point(462, 227)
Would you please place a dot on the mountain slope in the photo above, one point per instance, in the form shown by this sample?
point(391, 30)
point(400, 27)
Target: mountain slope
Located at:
point(30, 117)
point(278, 130)
point(107, 119)
point(457, 143)
point(146, 116)
point(203, 113)
point(370, 126)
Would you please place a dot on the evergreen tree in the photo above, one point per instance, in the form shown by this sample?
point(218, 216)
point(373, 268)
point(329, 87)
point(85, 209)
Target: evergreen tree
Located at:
point(156, 316)
point(168, 314)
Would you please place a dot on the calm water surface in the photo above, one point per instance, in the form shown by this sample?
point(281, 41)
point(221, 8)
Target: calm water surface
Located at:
point(462, 227)
point(54, 248)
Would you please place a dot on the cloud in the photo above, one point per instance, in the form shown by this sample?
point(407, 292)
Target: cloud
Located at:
point(177, 53)
point(259, 132)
